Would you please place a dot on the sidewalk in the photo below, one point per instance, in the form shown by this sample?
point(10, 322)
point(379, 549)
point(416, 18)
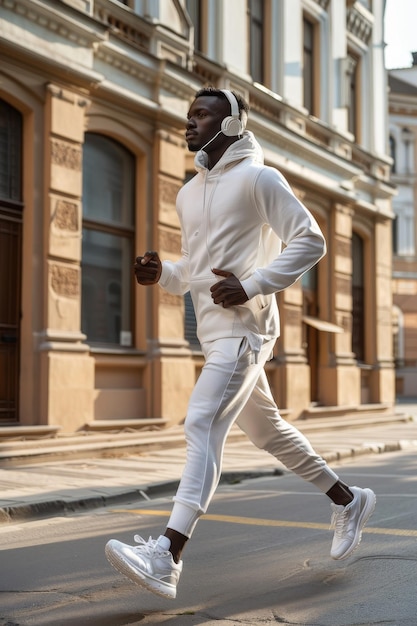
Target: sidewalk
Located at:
point(103, 470)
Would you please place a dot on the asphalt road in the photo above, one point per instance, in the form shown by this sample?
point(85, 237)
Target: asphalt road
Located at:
point(261, 556)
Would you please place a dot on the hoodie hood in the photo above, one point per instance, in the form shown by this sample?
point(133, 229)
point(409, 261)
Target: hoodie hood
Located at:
point(245, 147)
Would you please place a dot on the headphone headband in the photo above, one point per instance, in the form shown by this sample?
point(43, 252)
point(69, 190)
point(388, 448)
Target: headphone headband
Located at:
point(234, 106)
point(232, 125)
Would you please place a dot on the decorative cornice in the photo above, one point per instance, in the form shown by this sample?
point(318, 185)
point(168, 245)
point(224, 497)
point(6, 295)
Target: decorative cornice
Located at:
point(114, 57)
point(54, 20)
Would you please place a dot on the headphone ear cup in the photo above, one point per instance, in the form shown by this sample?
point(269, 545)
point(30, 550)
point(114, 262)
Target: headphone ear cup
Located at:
point(231, 126)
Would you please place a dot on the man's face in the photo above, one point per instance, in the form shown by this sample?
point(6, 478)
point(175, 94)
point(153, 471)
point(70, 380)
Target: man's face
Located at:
point(204, 121)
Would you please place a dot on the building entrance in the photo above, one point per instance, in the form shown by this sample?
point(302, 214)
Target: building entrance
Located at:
point(11, 215)
point(10, 263)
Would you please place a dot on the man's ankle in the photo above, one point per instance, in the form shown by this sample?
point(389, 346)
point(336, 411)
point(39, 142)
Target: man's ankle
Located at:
point(178, 541)
point(340, 494)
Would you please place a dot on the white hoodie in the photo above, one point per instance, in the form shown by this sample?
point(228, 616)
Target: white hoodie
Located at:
point(235, 217)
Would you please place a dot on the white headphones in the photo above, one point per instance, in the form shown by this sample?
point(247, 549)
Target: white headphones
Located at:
point(232, 126)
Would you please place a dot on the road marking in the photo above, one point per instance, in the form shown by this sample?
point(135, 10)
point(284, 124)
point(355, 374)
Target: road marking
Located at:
point(252, 521)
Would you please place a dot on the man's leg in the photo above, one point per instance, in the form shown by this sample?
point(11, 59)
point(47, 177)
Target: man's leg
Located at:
point(352, 506)
point(222, 390)
point(261, 421)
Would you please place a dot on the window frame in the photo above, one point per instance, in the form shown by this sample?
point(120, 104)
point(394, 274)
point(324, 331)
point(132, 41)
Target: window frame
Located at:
point(353, 91)
point(358, 301)
point(122, 231)
point(256, 26)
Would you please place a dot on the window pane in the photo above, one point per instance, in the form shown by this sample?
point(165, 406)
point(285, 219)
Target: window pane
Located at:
point(309, 279)
point(10, 152)
point(190, 323)
point(108, 183)
point(358, 298)
point(194, 11)
point(107, 247)
point(393, 155)
point(308, 67)
point(352, 77)
point(106, 287)
point(256, 27)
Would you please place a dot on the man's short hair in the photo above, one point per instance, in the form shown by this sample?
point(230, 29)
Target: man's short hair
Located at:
point(218, 93)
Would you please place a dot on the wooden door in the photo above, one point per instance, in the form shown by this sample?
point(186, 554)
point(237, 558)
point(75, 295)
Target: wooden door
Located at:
point(10, 278)
point(11, 216)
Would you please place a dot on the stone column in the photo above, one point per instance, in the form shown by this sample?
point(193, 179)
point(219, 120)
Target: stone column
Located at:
point(67, 370)
point(383, 372)
point(292, 375)
point(340, 379)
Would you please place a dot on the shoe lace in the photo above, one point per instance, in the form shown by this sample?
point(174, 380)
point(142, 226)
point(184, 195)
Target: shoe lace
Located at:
point(148, 548)
point(338, 522)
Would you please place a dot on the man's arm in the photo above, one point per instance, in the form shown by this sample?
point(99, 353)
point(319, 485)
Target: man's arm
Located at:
point(293, 223)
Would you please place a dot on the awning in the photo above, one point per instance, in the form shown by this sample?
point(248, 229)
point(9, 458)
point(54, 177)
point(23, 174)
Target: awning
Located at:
point(327, 327)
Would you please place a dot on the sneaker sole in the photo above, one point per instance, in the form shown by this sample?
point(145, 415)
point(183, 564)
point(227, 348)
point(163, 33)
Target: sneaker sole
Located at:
point(124, 567)
point(364, 517)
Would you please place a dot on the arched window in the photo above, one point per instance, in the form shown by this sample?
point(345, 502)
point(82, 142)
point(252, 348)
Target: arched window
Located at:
point(358, 298)
point(107, 250)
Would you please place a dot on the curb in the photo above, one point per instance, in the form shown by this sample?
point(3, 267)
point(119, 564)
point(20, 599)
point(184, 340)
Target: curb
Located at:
point(53, 508)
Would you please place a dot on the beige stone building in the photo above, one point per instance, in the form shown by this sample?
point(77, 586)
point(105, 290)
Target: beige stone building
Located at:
point(403, 143)
point(93, 99)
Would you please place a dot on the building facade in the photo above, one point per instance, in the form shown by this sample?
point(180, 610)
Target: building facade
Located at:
point(403, 144)
point(93, 100)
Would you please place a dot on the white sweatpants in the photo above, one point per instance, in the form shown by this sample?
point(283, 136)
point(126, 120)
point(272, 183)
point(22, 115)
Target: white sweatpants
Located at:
point(232, 387)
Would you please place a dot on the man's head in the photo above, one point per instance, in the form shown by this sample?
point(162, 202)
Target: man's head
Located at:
point(216, 119)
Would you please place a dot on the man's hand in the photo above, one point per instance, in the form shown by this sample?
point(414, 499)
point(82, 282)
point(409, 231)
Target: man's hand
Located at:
point(148, 268)
point(228, 292)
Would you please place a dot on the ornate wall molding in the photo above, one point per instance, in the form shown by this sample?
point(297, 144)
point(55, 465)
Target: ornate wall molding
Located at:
point(54, 20)
point(65, 216)
point(122, 63)
point(65, 281)
point(66, 155)
point(67, 96)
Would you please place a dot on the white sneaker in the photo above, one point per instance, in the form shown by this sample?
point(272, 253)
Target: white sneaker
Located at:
point(349, 520)
point(149, 564)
